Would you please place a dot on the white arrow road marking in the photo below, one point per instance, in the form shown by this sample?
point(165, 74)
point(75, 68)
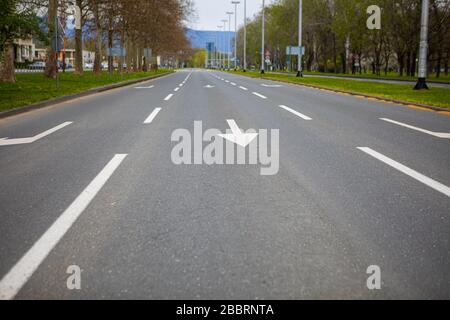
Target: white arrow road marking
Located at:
point(237, 137)
point(149, 87)
point(431, 133)
point(408, 171)
point(271, 85)
point(10, 142)
point(298, 114)
point(208, 86)
point(152, 116)
point(22, 271)
point(259, 95)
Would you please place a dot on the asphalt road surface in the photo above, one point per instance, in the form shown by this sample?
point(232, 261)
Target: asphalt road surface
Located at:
point(93, 183)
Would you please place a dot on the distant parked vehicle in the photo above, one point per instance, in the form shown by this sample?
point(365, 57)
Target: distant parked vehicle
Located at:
point(37, 65)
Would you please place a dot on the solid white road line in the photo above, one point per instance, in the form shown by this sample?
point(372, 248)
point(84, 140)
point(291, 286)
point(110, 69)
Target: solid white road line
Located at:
point(149, 87)
point(10, 142)
point(243, 88)
point(431, 133)
point(18, 276)
point(152, 116)
point(168, 97)
point(408, 171)
point(298, 114)
point(259, 95)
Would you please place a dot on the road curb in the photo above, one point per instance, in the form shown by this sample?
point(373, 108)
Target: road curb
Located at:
point(66, 98)
point(381, 99)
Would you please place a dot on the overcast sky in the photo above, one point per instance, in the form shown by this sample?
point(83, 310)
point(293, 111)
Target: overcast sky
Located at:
point(211, 12)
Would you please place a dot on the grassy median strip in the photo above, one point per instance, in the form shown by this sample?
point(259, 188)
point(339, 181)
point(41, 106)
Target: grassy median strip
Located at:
point(34, 87)
point(389, 76)
point(437, 97)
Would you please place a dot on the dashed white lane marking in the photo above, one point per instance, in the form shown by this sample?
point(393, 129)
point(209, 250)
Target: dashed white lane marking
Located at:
point(271, 85)
point(259, 95)
point(298, 114)
point(233, 84)
point(149, 87)
point(408, 171)
point(181, 84)
point(176, 89)
point(10, 142)
point(152, 116)
point(431, 133)
point(243, 88)
point(168, 97)
point(22, 271)
point(227, 81)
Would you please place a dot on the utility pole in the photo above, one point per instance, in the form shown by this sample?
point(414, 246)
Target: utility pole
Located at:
point(423, 53)
point(245, 36)
point(300, 53)
point(263, 43)
point(235, 32)
point(229, 39)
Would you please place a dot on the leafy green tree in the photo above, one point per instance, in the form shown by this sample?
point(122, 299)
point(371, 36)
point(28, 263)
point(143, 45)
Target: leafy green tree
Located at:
point(16, 21)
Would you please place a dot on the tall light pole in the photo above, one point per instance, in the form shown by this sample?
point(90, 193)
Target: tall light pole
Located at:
point(300, 53)
point(229, 39)
point(263, 30)
point(245, 36)
point(422, 81)
point(220, 53)
point(215, 50)
point(235, 32)
point(225, 41)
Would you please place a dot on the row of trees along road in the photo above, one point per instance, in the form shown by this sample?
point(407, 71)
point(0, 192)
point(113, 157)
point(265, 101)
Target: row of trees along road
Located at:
point(337, 39)
point(134, 25)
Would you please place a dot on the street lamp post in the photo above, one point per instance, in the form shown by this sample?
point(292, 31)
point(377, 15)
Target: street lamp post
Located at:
point(229, 39)
point(300, 53)
point(245, 36)
point(225, 40)
point(219, 41)
point(235, 32)
point(263, 43)
point(422, 81)
point(215, 50)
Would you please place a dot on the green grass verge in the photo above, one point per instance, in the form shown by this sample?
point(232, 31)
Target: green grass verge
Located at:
point(438, 97)
point(34, 87)
point(390, 76)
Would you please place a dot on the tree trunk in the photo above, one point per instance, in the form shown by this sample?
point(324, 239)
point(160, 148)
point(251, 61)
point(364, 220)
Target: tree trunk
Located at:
point(110, 45)
point(7, 70)
point(439, 61)
point(401, 60)
point(98, 41)
point(408, 64)
point(51, 67)
point(413, 65)
point(79, 44)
